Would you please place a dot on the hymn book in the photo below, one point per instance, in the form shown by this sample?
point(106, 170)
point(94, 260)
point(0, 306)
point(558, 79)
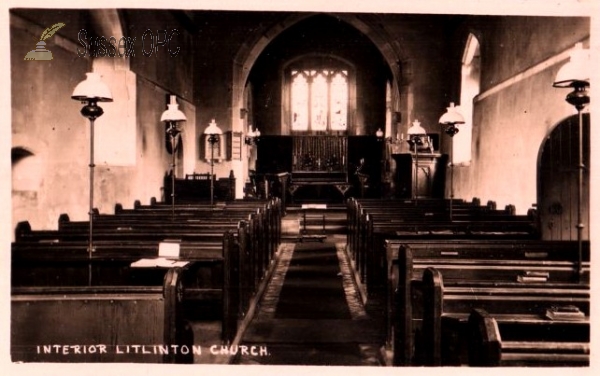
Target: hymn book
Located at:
point(168, 255)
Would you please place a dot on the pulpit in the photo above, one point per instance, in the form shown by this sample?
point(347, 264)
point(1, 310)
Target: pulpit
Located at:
point(420, 175)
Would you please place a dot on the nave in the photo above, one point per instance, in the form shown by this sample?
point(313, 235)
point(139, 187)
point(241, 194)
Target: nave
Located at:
point(397, 285)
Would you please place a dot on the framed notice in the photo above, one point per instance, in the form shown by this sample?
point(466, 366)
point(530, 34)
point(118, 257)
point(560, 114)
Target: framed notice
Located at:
point(236, 146)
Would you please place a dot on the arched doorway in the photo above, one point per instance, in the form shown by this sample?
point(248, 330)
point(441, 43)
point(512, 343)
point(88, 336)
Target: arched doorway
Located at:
point(557, 181)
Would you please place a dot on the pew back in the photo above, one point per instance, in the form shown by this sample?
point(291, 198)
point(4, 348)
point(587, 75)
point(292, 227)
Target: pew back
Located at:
point(92, 324)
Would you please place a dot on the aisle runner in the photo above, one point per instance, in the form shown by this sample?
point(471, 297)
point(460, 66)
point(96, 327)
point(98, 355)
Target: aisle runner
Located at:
point(311, 313)
point(271, 296)
point(313, 288)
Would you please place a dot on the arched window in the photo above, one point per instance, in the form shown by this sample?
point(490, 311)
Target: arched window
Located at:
point(319, 100)
point(319, 95)
point(27, 170)
point(470, 86)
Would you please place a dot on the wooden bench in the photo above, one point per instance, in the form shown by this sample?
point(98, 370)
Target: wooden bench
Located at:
point(101, 324)
point(370, 251)
point(447, 308)
point(210, 255)
point(370, 223)
point(524, 341)
point(214, 270)
point(228, 251)
point(263, 226)
point(490, 261)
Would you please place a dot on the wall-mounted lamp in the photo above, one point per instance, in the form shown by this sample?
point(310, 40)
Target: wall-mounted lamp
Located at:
point(89, 92)
point(252, 137)
point(379, 134)
point(449, 120)
point(576, 75)
point(173, 117)
point(213, 133)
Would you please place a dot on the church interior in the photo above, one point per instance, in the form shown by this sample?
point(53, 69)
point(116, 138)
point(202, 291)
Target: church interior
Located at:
point(299, 188)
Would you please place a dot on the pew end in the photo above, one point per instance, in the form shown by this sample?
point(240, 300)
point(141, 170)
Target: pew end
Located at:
point(556, 347)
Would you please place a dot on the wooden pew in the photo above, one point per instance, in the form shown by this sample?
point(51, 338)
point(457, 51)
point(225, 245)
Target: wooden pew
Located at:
point(264, 225)
point(269, 212)
point(491, 261)
point(120, 239)
point(101, 324)
point(447, 308)
point(515, 340)
point(370, 223)
point(213, 269)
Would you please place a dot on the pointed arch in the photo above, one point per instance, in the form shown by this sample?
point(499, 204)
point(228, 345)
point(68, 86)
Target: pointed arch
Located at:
point(246, 57)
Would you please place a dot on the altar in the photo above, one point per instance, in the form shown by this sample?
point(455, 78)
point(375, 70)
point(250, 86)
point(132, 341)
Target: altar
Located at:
point(320, 167)
point(319, 162)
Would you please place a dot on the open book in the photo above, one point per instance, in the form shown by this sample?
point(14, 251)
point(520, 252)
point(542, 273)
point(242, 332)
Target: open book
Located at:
point(168, 256)
point(159, 262)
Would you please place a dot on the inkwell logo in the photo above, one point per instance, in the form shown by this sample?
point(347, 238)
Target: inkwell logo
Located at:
point(40, 52)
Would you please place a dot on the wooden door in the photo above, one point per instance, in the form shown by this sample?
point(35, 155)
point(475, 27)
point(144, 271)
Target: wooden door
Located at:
point(557, 181)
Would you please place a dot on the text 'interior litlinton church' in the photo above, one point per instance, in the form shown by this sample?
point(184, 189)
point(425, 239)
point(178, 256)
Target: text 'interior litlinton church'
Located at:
point(299, 188)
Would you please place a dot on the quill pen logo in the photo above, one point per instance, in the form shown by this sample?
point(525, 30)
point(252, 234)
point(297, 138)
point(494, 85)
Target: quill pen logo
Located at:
point(40, 52)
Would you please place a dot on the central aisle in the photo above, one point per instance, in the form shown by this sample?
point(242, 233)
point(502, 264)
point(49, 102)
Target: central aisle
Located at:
point(311, 313)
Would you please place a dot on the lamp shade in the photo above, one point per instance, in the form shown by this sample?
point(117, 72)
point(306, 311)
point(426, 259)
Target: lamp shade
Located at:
point(92, 88)
point(416, 128)
point(452, 116)
point(576, 72)
point(213, 128)
point(173, 113)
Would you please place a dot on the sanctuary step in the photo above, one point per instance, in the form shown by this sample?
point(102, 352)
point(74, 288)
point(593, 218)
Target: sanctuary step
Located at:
point(314, 219)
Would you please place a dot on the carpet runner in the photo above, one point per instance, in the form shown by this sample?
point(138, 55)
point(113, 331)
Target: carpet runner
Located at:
point(311, 313)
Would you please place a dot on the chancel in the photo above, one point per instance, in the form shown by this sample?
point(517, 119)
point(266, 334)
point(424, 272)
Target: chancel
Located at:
point(391, 189)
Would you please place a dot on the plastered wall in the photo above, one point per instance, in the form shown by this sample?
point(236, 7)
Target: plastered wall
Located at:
point(47, 123)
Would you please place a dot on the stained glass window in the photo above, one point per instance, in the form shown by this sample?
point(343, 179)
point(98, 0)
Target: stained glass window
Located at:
point(319, 100)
